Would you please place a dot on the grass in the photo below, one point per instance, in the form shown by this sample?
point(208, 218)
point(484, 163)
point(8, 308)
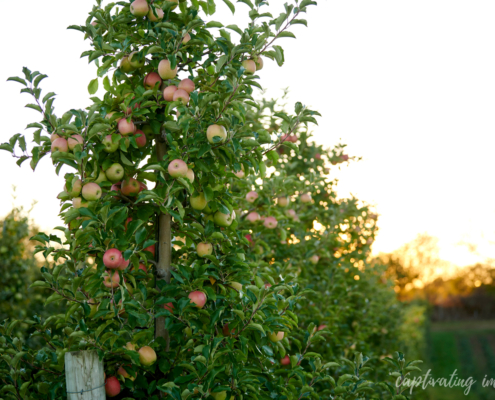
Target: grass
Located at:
point(469, 348)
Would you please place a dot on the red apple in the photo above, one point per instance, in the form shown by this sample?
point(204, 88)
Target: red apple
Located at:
point(151, 249)
point(140, 138)
point(130, 187)
point(139, 8)
point(126, 128)
point(181, 95)
point(251, 197)
point(61, 145)
point(197, 298)
point(253, 216)
point(112, 386)
point(74, 140)
point(270, 223)
point(152, 80)
point(112, 280)
point(113, 258)
point(177, 169)
point(169, 306)
point(159, 15)
point(168, 92)
point(285, 361)
point(187, 85)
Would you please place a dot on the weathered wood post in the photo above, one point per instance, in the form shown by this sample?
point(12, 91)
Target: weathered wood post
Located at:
point(84, 376)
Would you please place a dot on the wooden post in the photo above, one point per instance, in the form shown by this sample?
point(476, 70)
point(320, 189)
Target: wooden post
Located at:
point(164, 251)
point(84, 372)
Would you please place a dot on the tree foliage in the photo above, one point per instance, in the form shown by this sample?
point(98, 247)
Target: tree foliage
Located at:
point(261, 280)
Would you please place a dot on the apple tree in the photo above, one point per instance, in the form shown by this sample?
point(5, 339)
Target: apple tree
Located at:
point(156, 266)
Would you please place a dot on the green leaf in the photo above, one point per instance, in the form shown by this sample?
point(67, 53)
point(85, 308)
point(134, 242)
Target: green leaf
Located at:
point(214, 24)
point(220, 63)
point(17, 79)
point(93, 86)
point(230, 5)
point(286, 34)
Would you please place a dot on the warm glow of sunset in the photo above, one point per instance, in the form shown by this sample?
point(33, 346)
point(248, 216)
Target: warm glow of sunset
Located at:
point(415, 104)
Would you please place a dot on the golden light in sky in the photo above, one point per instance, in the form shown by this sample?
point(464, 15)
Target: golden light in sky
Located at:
point(407, 85)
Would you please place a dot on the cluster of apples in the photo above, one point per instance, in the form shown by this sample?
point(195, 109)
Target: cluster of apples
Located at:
point(147, 357)
point(140, 9)
point(339, 159)
point(63, 145)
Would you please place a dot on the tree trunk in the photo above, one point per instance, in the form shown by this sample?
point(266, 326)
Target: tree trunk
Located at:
point(84, 376)
point(164, 252)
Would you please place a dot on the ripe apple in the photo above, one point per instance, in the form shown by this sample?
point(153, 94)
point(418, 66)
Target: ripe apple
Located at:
point(317, 156)
point(130, 346)
point(321, 327)
point(112, 280)
point(126, 128)
point(198, 201)
point(216, 131)
point(113, 258)
point(122, 372)
point(197, 298)
point(135, 62)
point(285, 361)
point(270, 223)
point(177, 169)
point(268, 285)
point(314, 259)
point(123, 266)
point(112, 386)
point(126, 66)
point(165, 71)
point(249, 66)
point(187, 85)
point(53, 136)
point(251, 197)
point(181, 95)
point(158, 17)
point(344, 157)
point(204, 249)
point(152, 80)
point(306, 198)
point(223, 220)
point(259, 63)
point(76, 188)
point(169, 306)
point(115, 173)
point(190, 175)
point(253, 217)
point(283, 201)
point(276, 337)
point(91, 191)
point(61, 145)
point(139, 8)
point(140, 138)
point(147, 356)
point(168, 92)
point(186, 38)
point(74, 140)
point(78, 202)
point(240, 174)
point(110, 146)
point(130, 187)
point(291, 214)
point(142, 187)
point(151, 249)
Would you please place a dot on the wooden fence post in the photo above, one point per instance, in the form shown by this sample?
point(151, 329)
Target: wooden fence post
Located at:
point(84, 372)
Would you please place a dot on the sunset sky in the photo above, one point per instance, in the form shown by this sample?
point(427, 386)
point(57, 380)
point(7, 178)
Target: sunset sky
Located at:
point(409, 86)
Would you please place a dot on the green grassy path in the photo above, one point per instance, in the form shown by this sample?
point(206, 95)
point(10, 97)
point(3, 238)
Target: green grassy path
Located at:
point(467, 347)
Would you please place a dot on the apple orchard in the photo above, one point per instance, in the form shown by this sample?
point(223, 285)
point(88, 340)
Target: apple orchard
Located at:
point(205, 254)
